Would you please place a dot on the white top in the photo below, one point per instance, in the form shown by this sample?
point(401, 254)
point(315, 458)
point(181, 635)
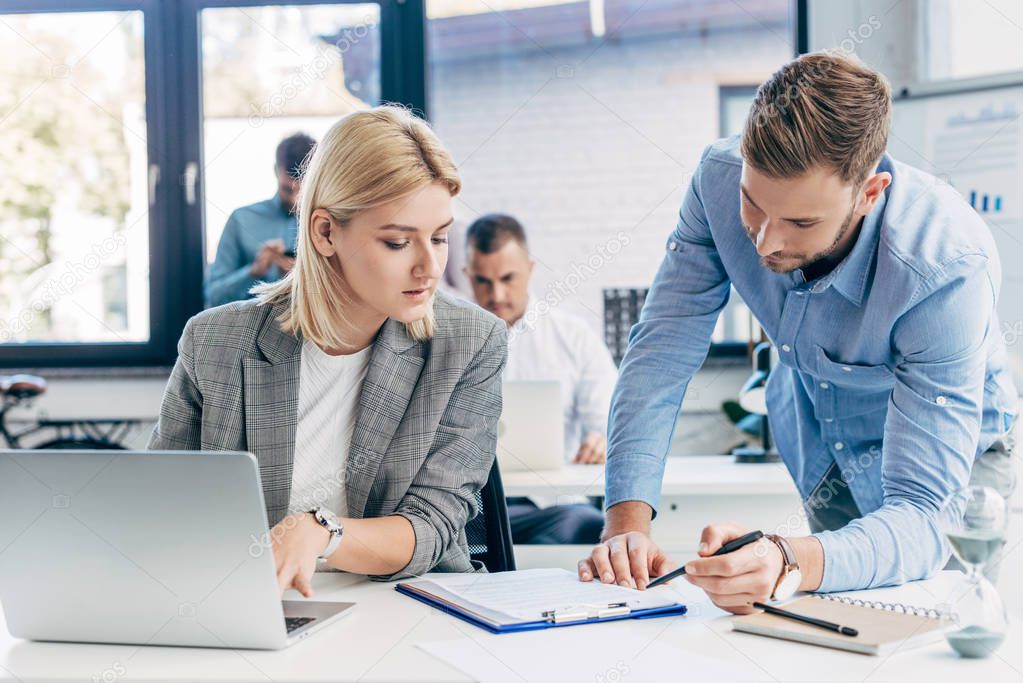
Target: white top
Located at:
point(548, 344)
point(329, 388)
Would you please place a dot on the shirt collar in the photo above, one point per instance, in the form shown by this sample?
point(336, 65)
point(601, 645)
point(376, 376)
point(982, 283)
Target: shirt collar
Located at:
point(852, 276)
point(528, 320)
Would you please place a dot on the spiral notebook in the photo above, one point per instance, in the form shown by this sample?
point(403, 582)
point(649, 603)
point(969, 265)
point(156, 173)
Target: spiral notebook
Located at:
point(883, 627)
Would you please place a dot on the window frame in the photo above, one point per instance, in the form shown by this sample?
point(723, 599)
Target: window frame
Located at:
point(172, 67)
point(84, 354)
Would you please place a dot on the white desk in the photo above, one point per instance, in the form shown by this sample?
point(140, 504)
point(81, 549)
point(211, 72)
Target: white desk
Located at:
point(690, 475)
point(378, 642)
point(696, 491)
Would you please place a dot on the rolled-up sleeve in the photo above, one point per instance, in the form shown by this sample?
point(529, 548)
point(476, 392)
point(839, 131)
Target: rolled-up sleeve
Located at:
point(442, 496)
point(666, 347)
point(930, 438)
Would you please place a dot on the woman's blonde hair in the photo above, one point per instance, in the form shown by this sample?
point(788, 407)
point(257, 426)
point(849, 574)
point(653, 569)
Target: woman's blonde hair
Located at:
point(366, 159)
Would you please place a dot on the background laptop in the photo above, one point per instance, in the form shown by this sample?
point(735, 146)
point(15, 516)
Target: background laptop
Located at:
point(531, 431)
point(148, 548)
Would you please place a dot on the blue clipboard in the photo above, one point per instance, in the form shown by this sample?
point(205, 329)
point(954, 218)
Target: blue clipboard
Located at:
point(667, 611)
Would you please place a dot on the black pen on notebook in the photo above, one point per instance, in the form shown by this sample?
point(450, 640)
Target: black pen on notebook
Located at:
point(812, 621)
point(729, 547)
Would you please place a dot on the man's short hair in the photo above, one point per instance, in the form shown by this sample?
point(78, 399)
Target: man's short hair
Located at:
point(489, 233)
point(292, 152)
point(821, 109)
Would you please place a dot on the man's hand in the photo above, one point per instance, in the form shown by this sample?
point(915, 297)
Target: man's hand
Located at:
point(267, 255)
point(592, 451)
point(630, 559)
point(736, 580)
point(284, 262)
point(297, 542)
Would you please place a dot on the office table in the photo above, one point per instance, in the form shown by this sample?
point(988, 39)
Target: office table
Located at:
point(379, 641)
point(696, 491)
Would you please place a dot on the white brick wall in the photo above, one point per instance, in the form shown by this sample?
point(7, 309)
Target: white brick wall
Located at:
point(582, 147)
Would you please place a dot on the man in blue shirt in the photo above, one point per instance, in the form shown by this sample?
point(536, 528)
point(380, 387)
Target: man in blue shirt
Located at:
point(258, 242)
point(878, 286)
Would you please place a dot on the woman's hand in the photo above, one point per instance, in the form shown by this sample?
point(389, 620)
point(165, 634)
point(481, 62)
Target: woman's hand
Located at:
point(297, 542)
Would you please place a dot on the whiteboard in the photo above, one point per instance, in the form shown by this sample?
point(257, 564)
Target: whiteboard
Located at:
point(972, 138)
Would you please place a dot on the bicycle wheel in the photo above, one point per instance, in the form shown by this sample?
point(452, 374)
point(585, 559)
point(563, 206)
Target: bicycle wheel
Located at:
point(74, 443)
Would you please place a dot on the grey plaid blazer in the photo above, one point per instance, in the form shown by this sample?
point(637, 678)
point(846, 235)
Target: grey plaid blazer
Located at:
point(425, 434)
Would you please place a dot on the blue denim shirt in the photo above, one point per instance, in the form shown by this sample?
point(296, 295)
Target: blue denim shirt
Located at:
point(891, 366)
point(244, 233)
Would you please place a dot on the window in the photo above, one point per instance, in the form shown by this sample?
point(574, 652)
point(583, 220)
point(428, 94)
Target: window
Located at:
point(74, 190)
point(269, 72)
point(585, 120)
point(131, 129)
point(963, 39)
point(921, 44)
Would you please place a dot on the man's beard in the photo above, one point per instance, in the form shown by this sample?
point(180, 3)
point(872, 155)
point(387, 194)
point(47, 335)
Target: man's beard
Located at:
point(819, 256)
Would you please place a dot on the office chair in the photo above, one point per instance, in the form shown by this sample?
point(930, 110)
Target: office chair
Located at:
point(489, 533)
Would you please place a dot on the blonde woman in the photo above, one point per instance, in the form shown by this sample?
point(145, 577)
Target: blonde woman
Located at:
point(369, 398)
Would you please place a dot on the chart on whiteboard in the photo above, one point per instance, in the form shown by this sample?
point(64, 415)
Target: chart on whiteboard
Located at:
point(974, 141)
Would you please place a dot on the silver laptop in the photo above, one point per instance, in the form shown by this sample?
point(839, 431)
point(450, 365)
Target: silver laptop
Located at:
point(146, 548)
point(531, 431)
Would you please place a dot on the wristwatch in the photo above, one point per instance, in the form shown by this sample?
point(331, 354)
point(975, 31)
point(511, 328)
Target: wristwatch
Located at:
point(791, 577)
point(329, 521)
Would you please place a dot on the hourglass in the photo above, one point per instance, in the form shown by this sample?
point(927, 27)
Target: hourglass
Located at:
point(974, 522)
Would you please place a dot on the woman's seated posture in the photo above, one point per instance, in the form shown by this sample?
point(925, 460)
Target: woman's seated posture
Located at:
point(370, 399)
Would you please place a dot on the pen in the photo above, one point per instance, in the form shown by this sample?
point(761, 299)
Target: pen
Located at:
point(820, 623)
point(729, 547)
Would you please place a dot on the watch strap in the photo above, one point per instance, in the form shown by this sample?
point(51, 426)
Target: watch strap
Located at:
point(788, 555)
point(335, 541)
point(335, 529)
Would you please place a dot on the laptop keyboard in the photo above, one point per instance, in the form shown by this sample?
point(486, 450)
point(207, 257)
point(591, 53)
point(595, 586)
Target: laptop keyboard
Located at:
point(291, 623)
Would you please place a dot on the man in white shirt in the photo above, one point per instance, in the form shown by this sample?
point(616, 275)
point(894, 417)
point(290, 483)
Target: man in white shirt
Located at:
point(556, 346)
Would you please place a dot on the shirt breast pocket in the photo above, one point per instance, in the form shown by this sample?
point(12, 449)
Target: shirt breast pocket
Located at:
point(850, 389)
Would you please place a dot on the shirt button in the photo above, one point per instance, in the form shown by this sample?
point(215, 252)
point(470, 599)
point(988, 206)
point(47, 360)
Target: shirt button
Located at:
point(839, 445)
point(786, 348)
point(824, 385)
point(846, 368)
point(941, 400)
point(672, 246)
point(828, 419)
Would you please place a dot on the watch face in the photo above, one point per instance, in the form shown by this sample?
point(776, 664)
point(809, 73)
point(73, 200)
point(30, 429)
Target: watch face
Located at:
point(327, 519)
point(789, 585)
